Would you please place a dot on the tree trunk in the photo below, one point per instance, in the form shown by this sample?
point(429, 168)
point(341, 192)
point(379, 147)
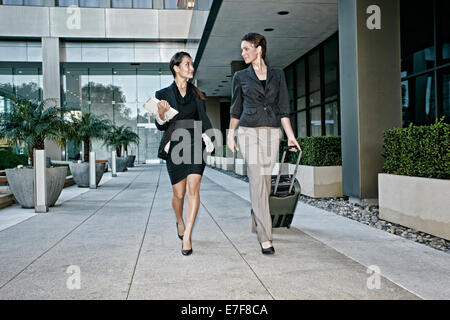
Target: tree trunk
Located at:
point(87, 148)
point(38, 145)
point(119, 151)
point(126, 150)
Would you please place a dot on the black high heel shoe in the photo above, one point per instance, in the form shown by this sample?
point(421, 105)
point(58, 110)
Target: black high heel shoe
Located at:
point(185, 252)
point(181, 237)
point(270, 250)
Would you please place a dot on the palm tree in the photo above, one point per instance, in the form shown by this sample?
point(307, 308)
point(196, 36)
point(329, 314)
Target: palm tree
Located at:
point(83, 129)
point(119, 137)
point(30, 123)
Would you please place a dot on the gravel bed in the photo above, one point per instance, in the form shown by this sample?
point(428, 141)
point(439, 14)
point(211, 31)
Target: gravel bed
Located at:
point(367, 214)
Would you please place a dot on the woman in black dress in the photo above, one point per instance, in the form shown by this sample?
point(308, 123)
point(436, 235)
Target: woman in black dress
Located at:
point(185, 172)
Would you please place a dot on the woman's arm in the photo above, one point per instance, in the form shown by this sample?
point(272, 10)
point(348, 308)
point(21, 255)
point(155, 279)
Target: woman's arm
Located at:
point(235, 112)
point(292, 141)
point(163, 106)
point(231, 143)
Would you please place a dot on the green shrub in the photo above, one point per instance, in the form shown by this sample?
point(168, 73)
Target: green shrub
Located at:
point(9, 159)
point(420, 151)
point(317, 151)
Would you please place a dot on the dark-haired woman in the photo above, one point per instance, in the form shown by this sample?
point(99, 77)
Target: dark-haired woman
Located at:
point(260, 105)
point(185, 175)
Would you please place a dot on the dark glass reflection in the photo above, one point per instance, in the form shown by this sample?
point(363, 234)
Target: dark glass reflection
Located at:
point(331, 65)
point(445, 78)
point(417, 41)
point(418, 99)
point(314, 78)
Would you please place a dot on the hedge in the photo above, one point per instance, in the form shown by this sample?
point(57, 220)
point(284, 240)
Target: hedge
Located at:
point(317, 151)
point(420, 151)
point(9, 159)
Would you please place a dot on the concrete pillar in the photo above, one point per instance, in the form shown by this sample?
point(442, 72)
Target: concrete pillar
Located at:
point(92, 171)
point(40, 182)
point(51, 84)
point(113, 164)
point(370, 77)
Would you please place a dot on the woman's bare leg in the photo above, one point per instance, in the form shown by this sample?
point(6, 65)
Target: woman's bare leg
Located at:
point(193, 203)
point(179, 190)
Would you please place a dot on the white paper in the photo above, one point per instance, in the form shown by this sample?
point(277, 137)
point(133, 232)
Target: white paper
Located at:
point(152, 107)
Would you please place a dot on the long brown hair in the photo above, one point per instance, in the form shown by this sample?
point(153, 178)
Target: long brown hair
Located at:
point(175, 61)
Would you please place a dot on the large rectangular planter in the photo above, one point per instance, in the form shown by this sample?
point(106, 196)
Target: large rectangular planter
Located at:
point(419, 203)
point(228, 164)
point(316, 182)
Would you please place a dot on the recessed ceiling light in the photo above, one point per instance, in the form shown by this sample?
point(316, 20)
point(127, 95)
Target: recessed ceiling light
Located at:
point(224, 81)
point(283, 13)
point(220, 86)
point(229, 76)
point(269, 29)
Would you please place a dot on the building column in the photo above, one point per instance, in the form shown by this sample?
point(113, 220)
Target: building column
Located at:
point(370, 89)
point(51, 76)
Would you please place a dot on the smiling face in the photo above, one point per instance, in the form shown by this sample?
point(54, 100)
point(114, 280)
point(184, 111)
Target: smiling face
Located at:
point(185, 69)
point(249, 52)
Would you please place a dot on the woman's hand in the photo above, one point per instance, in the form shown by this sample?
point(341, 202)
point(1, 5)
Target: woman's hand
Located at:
point(231, 144)
point(294, 143)
point(163, 107)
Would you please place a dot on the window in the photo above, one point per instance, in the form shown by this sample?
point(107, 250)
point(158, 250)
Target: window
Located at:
point(34, 2)
point(301, 85)
point(145, 4)
point(170, 4)
point(316, 82)
point(314, 78)
point(445, 87)
point(316, 122)
point(331, 119)
point(89, 3)
point(121, 3)
point(425, 37)
point(13, 2)
point(67, 3)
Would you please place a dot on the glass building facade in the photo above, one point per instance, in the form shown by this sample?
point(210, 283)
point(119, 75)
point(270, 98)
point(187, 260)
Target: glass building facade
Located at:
point(313, 80)
point(116, 94)
point(425, 34)
point(137, 4)
point(313, 84)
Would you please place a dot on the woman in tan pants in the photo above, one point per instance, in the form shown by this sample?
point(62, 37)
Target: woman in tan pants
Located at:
point(260, 106)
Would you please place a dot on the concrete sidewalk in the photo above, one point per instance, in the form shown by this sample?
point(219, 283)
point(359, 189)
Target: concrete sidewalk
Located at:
point(122, 239)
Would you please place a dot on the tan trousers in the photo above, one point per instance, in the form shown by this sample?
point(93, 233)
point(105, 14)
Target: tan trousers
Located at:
point(259, 146)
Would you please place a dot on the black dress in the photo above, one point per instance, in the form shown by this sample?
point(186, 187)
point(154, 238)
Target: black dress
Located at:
point(187, 109)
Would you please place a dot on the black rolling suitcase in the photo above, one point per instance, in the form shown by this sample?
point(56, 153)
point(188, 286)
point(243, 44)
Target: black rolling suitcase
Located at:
point(285, 190)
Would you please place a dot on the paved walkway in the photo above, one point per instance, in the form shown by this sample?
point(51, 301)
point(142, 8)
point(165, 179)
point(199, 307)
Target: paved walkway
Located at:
point(120, 239)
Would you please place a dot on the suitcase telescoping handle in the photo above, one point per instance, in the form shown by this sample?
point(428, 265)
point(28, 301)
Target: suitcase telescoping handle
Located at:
point(285, 149)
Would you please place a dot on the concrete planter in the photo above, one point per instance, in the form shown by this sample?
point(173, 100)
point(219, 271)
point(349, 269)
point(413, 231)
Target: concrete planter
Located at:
point(228, 164)
point(208, 160)
point(213, 161)
point(80, 173)
point(121, 164)
point(419, 203)
point(130, 161)
point(240, 167)
point(21, 182)
point(316, 182)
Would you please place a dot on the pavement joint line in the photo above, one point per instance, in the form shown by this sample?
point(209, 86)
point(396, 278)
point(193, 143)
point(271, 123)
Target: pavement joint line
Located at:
point(61, 203)
point(234, 246)
point(143, 236)
point(328, 245)
point(70, 232)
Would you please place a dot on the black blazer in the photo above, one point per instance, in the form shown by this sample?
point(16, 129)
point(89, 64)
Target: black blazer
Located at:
point(255, 106)
point(168, 94)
